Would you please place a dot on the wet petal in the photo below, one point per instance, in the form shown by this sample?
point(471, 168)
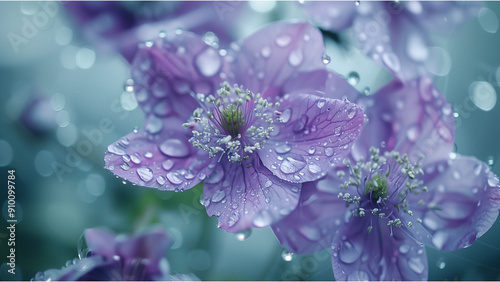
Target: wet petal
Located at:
point(412, 118)
point(174, 67)
point(166, 161)
point(359, 255)
point(270, 56)
point(243, 197)
point(151, 245)
point(314, 134)
point(311, 226)
point(461, 205)
point(100, 241)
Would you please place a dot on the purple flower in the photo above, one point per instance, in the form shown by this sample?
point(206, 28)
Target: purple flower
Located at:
point(399, 189)
point(255, 130)
point(118, 258)
point(397, 34)
point(123, 25)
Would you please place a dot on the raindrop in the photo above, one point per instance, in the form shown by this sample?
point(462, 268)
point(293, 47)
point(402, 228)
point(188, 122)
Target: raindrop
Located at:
point(367, 91)
point(216, 176)
point(174, 148)
point(311, 150)
point(211, 39)
point(268, 183)
point(218, 196)
point(321, 103)
point(314, 168)
point(325, 59)
point(329, 151)
point(265, 51)
point(148, 155)
point(349, 253)
point(300, 124)
point(404, 248)
point(357, 3)
point(145, 173)
point(412, 133)
point(416, 265)
point(262, 219)
point(295, 58)
point(391, 61)
point(174, 178)
point(286, 255)
point(353, 78)
point(441, 264)
point(491, 161)
point(291, 165)
point(285, 116)
point(161, 180)
point(136, 158)
point(154, 125)
point(283, 148)
point(208, 62)
point(243, 235)
point(82, 248)
point(416, 48)
point(283, 40)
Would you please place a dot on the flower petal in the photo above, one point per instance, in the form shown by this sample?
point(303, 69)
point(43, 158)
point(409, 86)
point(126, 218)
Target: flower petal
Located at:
point(100, 241)
point(166, 161)
point(359, 255)
point(269, 57)
point(310, 227)
point(412, 118)
point(461, 205)
point(167, 73)
point(314, 134)
point(151, 245)
point(243, 197)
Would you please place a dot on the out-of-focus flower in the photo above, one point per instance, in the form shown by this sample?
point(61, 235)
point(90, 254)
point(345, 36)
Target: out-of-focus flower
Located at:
point(381, 206)
point(397, 34)
point(119, 258)
point(123, 25)
point(255, 128)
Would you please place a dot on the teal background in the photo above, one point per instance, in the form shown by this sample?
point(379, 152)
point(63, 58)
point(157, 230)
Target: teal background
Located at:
point(53, 212)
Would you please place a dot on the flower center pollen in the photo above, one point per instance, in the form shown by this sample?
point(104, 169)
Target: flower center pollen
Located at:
point(233, 122)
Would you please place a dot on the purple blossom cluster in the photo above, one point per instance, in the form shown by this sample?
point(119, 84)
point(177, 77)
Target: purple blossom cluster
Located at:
point(278, 139)
point(106, 256)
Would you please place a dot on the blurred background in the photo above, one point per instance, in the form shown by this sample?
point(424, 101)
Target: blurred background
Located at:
point(64, 100)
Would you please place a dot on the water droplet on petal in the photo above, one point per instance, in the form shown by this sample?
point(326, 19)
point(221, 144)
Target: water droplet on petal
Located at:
point(268, 183)
point(174, 148)
point(113, 148)
point(491, 161)
point(391, 61)
point(295, 58)
point(311, 150)
point(404, 248)
point(353, 78)
point(208, 62)
point(283, 148)
point(300, 123)
point(82, 247)
point(283, 40)
point(349, 253)
point(412, 133)
point(314, 168)
point(325, 59)
point(292, 165)
point(174, 178)
point(415, 264)
point(161, 180)
point(285, 116)
point(357, 2)
point(145, 173)
point(329, 151)
point(262, 219)
point(321, 103)
point(216, 176)
point(243, 235)
point(154, 125)
point(218, 196)
point(265, 51)
point(286, 255)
